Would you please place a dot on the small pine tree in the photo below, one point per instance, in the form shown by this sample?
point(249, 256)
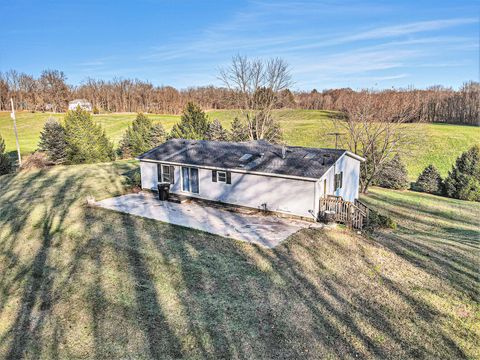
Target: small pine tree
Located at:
point(53, 141)
point(137, 138)
point(86, 141)
point(157, 135)
point(141, 136)
point(463, 181)
point(239, 131)
point(5, 163)
point(393, 175)
point(429, 181)
point(216, 132)
point(193, 124)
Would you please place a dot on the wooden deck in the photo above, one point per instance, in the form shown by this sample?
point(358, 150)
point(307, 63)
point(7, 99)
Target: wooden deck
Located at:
point(354, 215)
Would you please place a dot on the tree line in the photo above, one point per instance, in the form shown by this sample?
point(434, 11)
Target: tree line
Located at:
point(51, 92)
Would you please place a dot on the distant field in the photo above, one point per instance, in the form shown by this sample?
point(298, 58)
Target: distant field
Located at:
point(439, 144)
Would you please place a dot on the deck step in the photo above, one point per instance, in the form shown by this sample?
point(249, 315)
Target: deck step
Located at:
point(178, 199)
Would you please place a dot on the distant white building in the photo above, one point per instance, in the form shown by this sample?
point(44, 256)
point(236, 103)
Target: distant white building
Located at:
point(83, 103)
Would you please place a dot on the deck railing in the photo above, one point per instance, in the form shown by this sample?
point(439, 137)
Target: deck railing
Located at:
point(353, 215)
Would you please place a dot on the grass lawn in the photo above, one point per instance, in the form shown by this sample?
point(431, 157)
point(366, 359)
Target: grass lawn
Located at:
point(440, 144)
point(81, 282)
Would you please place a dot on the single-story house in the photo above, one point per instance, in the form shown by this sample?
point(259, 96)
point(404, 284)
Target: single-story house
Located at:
point(256, 174)
point(83, 103)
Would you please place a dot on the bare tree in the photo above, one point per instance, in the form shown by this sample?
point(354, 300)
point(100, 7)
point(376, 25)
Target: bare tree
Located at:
point(255, 85)
point(375, 128)
point(55, 89)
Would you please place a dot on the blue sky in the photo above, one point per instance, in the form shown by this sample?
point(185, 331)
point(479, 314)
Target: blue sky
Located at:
point(182, 43)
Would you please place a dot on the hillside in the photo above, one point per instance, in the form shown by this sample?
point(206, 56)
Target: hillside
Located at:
point(81, 282)
point(439, 144)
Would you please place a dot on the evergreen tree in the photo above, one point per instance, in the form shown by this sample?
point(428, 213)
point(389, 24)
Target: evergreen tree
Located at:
point(53, 141)
point(5, 163)
point(216, 132)
point(141, 136)
point(193, 124)
point(86, 141)
point(157, 135)
point(137, 137)
point(393, 175)
point(463, 181)
point(429, 181)
point(239, 131)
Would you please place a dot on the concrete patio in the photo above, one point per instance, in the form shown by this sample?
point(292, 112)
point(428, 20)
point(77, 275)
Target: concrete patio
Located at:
point(265, 230)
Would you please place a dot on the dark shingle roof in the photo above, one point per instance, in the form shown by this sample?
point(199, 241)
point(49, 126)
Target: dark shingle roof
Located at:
point(266, 157)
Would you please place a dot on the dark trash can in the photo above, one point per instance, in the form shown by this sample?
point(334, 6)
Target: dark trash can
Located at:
point(329, 217)
point(163, 191)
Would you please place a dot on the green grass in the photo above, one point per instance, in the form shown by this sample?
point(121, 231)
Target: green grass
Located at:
point(83, 282)
point(438, 144)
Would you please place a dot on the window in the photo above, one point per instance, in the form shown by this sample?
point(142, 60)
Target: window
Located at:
point(338, 180)
point(165, 173)
point(246, 157)
point(222, 176)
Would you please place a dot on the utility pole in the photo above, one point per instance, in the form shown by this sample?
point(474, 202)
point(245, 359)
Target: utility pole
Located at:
point(337, 134)
point(12, 115)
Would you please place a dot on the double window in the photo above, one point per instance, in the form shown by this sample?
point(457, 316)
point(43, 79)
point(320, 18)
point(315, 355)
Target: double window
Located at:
point(222, 176)
point(338, 180)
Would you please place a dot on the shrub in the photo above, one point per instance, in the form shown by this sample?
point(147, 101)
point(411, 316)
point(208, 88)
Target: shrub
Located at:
point(134, 178)
point(37, 160)
point(393, 175)
point(95, 110)
point(377, 220)
point(463, 181)
point(53, 141)
point(86, 141)
point(193, 124)
point(429, 181)
point(216, 131)
point(5, 162)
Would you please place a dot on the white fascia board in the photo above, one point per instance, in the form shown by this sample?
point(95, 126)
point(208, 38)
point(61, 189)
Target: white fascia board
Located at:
point(354, 156)
point(233, 170)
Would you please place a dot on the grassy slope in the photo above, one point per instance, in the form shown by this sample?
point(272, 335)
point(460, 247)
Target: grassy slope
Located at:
point(86, 282)
point(441, 145)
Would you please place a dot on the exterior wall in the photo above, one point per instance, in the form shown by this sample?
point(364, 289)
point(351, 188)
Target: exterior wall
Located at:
point(351, 179)
point(148, 173)
point(290, 196)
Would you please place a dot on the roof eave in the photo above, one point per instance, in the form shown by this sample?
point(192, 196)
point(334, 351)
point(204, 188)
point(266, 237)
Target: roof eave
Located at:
point(355, 156)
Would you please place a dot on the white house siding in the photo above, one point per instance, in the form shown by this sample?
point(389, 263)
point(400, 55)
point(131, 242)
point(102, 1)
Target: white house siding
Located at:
point(148, 171)
point(296, 197)
point(351, 177)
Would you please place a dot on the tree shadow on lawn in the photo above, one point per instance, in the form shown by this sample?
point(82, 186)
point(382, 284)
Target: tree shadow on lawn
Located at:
point(129, 286)
point(34, 223)
point(236, 300)
point(443, 251)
